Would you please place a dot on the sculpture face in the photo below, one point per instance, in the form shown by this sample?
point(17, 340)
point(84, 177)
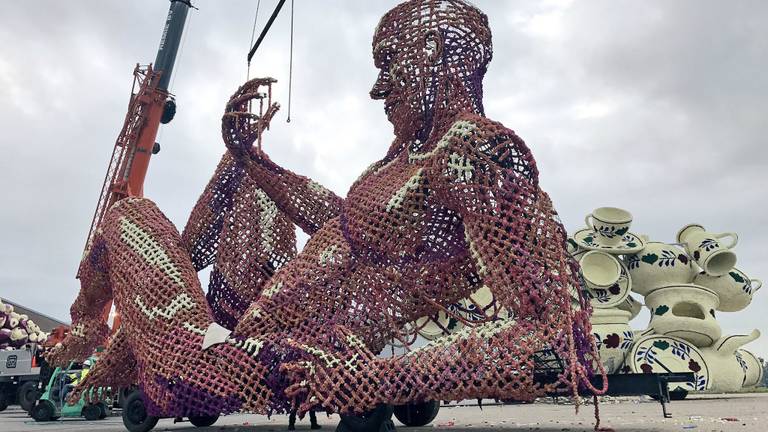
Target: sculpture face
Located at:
point(397, 86)
point(431, 56)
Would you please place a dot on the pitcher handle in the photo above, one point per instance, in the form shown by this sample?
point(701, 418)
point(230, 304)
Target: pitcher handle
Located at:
point(756, 282)
point(734, 238)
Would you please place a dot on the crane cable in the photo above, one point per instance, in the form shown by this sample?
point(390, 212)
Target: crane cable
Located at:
point(253, 35)
point(181, 51)
point(256, 45)
point(290, 68)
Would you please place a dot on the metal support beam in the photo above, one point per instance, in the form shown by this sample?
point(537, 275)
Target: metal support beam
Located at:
point(266, 29)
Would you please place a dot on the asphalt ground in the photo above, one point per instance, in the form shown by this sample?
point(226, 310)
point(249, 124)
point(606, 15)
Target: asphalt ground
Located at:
point(746, 412)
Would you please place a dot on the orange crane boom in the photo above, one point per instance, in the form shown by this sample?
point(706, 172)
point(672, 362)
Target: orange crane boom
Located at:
point(150, 105)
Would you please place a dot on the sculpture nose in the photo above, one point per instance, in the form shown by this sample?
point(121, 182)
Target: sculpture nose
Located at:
point(381, 88)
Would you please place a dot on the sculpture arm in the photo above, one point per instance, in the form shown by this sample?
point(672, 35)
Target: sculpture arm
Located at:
point(306, 203)
point(487, 174)
point(202, 232)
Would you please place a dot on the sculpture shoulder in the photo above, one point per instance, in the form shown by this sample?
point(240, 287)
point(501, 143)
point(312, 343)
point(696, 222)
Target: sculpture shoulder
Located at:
point(471, 134)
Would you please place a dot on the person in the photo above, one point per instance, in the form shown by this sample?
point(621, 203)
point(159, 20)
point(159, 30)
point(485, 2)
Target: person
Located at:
point(73, 377)
point(312, 420)
point(453, 205)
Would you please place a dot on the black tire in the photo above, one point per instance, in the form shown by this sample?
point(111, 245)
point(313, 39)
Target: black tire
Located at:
point(678, 395)
point(91, 412)
point(44, 411)
point(203, 421)
point(3, 400)
point(378, 420)
point(28, 395)
point(123, 396)
point(169, 111)
point(417, 414)
point(674, 395)
point(135, 417)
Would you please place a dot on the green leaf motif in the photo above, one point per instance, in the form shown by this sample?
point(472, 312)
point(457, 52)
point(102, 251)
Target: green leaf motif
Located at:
point(631, 244)
point(737, 277)
point(622, 231)
point(661, 310)
point(588, 240)
point(661, 344)
point(649, 258)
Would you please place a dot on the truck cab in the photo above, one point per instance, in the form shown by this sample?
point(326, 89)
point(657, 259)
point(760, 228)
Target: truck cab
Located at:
point(19, 377)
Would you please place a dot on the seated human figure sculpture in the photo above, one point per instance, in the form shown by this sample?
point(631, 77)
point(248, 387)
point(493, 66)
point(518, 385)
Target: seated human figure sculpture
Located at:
point(454, 204)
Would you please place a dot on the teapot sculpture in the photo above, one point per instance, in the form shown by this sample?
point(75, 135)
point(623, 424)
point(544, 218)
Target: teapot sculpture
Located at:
point(732, 368)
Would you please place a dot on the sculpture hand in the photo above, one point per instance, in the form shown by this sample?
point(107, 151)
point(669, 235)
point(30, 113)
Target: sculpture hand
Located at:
point(240, 127)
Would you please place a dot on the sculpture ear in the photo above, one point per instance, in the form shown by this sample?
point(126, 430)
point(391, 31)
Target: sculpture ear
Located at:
point(433, 46)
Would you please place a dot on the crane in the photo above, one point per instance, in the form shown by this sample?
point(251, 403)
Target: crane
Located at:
point(150, 105)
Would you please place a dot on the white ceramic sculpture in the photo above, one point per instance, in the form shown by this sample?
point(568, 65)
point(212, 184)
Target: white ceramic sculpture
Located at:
point(631, 305)
point(683, 334)
point(713, 255)
point(735, 289)
point(753, 369)
point(613, 335)
point(431, 328)
point(653, 353)
point(657, 265)
point(600, 270)
point(729, 373)
point(686, 311)
point(610, 224)
point(607, 296)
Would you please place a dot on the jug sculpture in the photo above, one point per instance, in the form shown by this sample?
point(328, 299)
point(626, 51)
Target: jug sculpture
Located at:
point(684, 284)
point(631, 305)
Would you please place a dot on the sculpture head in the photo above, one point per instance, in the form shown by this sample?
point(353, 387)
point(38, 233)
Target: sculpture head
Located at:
point(432, 56)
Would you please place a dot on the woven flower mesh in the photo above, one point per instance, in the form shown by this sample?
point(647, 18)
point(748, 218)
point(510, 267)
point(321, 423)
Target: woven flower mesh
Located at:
point(453, 206)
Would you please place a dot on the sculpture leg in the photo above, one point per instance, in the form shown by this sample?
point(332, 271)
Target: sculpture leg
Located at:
point(239, 230)
point(165, 315)
point(89, 328)
point(493, 360)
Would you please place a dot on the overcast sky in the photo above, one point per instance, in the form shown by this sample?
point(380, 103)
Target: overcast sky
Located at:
point(658, 107)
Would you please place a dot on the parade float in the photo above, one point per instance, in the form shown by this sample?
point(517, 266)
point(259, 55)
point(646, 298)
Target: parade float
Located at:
point(447, 237)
